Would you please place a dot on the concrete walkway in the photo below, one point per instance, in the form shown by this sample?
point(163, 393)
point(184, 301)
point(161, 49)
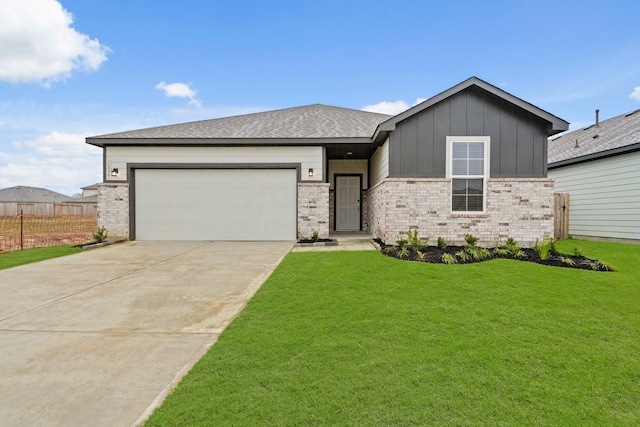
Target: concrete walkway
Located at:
point(347, 241)
point(101, 337)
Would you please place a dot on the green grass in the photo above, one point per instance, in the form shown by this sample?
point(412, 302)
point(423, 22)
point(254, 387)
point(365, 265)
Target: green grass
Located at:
point(14, 259)
point(358, 338)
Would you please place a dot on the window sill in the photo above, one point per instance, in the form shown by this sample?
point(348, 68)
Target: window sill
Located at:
point(468, 215)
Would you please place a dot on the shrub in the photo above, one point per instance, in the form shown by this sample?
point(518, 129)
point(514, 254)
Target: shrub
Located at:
point(414, 241)
point(567, 261)
point(607, 267)
point(470, 239)
point(100, 235)
point(501, 252)
point(442, 243)
point(546, 248)
point(401, 243)
point(314, 236)
point(404, 253)
point(464, 256)
point(476, 253)
point(593, 265)
point(511, 242)
point(449, 259)
point(510, 248)
point(578, 252)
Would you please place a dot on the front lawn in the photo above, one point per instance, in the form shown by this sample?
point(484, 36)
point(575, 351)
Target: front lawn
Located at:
point(14, 259)
point(357, 338)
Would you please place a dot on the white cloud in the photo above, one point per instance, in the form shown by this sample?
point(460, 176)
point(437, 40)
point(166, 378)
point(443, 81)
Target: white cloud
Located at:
point(387, 107)
point(38, 44)
point(58, 161)
point(391, 107)
point(180, 90)
point(635, 95)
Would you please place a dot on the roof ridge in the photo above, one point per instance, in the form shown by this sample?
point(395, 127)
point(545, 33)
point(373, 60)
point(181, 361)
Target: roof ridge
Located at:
point(240, 117)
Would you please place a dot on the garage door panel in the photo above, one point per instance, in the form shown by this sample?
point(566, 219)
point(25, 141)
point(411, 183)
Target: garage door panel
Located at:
point(219, 204)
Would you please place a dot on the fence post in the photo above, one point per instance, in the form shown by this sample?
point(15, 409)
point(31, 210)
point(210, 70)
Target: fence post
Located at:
point(20, 229)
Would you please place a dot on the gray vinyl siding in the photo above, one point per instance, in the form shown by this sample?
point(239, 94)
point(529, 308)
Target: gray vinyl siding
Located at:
point(518, 138)
point(380, 164)
point(604, 196)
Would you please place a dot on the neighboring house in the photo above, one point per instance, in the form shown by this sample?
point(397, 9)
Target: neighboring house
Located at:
point(90, 190)
point(472, 159)
point(599, 166)
point(32, 201)
point(43, 202)
point(89, 195)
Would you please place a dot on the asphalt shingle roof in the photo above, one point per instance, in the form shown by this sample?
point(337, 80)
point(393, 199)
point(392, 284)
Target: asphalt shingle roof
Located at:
point(617, 132)
point(311, 121)
point(23, 194)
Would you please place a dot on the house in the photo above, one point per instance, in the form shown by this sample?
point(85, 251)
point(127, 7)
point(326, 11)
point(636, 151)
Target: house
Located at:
point(472, 159)
point(599, 166)
point(40, 201)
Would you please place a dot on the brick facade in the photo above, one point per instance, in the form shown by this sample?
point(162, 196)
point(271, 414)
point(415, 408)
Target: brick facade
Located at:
point(113, 208)
point(313, 209)
point(518, 207)
point(332, 210)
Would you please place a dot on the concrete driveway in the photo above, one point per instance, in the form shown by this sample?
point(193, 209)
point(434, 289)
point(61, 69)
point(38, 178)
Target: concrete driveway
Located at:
point(100, 338)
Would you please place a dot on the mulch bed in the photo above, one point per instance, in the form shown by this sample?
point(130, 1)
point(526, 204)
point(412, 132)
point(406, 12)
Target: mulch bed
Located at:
point(316, 240)
point(433, 254)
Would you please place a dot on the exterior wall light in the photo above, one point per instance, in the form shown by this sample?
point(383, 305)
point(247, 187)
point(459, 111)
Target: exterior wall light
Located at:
point(310, 173)
point(114, 172)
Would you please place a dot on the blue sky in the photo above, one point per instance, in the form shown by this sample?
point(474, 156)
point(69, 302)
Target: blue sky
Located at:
point(76, 68)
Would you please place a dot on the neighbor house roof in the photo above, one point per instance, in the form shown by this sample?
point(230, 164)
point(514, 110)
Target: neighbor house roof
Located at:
point(617, 135)
point(85, 199)
point(22, 194)
point(331, 124)
point(557, 124)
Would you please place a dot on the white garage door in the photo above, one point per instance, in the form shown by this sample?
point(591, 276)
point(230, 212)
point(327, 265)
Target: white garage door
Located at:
point(215, 204)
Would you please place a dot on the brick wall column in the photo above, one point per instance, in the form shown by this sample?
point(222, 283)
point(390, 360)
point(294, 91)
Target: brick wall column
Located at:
point(313, 209)
point(113, 208)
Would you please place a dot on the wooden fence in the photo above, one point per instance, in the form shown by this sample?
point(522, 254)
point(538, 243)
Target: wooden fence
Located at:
point(561, 216)
point(47, 209)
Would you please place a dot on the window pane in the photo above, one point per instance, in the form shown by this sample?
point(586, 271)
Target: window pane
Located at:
point(467, 195)
point(474, 186)
point(474, 203)
point(476, 150)
point(459, 150)
point(459, 167)
point(476, 167)
point(459, 186)
point(459, 204)
point(467, 158)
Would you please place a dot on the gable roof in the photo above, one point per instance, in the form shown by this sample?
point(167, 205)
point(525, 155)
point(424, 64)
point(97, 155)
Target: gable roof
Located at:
point(557, 124)
point(617, 135)
point(317, 121)
point(23, 194)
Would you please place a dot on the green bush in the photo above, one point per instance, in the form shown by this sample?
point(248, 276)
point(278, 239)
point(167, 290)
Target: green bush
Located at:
point(546, 248)
point(100, 235)
point(415, 242)
point(470, 239)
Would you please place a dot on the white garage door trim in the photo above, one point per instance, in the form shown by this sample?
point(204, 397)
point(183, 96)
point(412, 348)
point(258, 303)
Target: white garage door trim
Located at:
point(215, 204)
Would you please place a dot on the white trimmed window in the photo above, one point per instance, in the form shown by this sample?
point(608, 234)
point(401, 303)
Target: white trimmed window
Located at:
point(468, 169)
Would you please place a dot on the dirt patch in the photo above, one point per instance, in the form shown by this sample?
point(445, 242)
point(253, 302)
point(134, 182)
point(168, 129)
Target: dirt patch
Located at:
point(41, 240)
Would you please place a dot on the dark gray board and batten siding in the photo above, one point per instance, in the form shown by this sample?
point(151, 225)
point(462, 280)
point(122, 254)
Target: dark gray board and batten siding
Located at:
point(518, 138)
